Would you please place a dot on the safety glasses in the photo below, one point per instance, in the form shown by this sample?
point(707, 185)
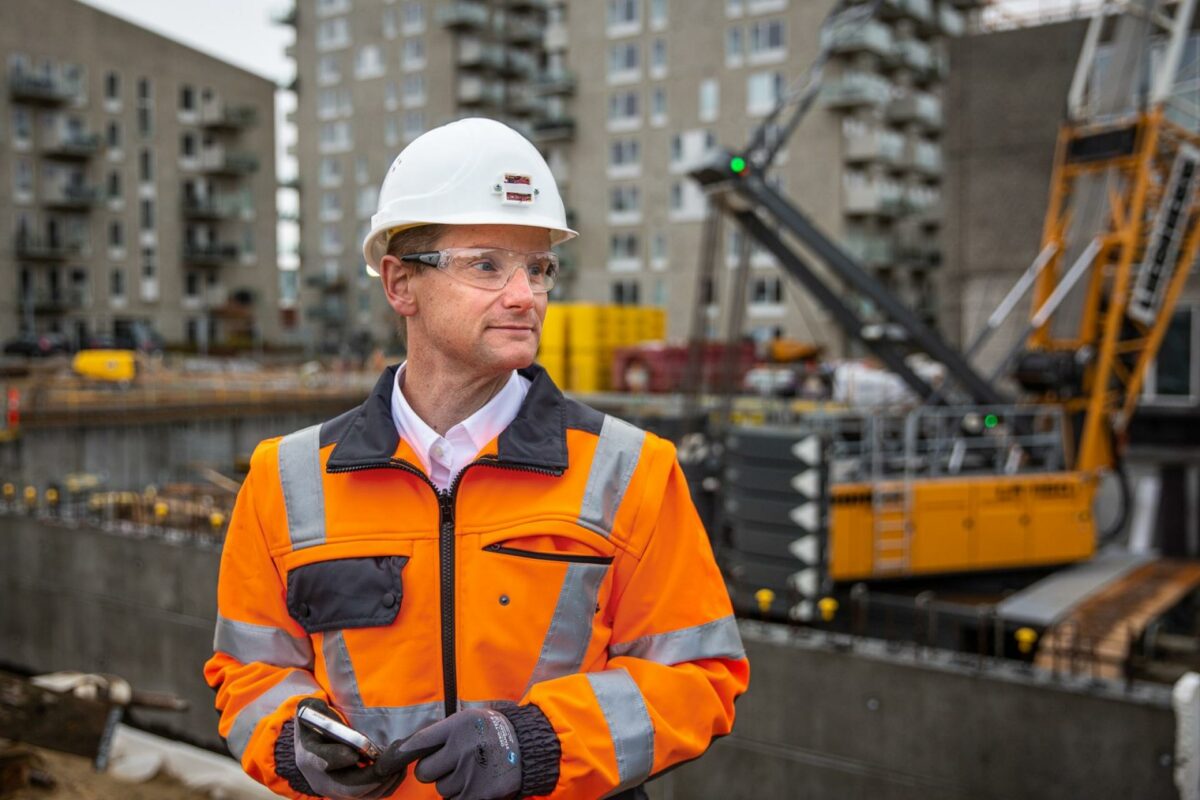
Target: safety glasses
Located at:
point(490, 268)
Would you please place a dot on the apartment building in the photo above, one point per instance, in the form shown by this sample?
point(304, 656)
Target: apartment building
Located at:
point(139, 184)
point(624, 97)
point(372, 75)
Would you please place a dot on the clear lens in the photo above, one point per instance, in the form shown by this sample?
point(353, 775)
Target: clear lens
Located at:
point(492, 269)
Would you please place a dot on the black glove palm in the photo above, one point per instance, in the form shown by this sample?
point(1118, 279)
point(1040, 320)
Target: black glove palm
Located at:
point(472, 755)
point(332, 769)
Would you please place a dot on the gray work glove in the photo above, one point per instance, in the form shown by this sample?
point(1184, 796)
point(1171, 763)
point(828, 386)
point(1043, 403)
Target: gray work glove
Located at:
point(471, 755)
point(331, 769)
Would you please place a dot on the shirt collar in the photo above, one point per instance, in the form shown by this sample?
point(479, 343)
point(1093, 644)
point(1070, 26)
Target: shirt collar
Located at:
point(481, 427)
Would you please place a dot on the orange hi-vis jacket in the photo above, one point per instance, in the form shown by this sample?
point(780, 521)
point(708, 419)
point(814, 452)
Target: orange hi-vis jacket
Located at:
point(566, 568)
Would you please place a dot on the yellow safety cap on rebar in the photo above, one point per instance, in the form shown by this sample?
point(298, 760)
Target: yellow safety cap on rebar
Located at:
point(828, 607)
point(160, 510)
point(1025, 638)
point(30, 494)
point(764, 598)
point(216, 519)
point(52, 495)
point(10, 491)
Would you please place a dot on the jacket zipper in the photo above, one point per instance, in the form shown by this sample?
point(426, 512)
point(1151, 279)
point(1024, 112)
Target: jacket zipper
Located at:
point(570, 558)
point(446, 501)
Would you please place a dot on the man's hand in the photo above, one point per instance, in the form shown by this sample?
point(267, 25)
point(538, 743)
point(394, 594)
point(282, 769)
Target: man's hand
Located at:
point(471, 755)
point(332, 769)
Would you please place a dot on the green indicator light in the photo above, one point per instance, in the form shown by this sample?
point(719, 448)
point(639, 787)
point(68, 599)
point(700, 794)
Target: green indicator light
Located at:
point(737, 164)
point(991, 421)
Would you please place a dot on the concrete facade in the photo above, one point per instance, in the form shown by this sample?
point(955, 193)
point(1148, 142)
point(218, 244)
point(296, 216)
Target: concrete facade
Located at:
point(627, 95)
point(139, 183)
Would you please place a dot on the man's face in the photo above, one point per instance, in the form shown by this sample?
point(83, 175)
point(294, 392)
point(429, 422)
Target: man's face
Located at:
point(479, 331)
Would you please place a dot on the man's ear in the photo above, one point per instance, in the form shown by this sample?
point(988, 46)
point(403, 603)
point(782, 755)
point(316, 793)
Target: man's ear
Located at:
point(397, 285)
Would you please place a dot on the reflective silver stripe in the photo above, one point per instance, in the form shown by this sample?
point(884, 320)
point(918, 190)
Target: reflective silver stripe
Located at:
point(303, 496)
point(248, 642)
point(629, 725)
point(717, 639)
point(343, 683)
point(570, 628)
point(612, 466)
point(384, 724)
point(295, 684)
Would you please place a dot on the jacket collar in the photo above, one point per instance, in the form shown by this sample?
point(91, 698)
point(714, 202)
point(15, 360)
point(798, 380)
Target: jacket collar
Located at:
point(537, 437)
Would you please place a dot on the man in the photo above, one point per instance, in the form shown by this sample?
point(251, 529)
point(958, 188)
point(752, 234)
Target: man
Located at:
point(504, 587)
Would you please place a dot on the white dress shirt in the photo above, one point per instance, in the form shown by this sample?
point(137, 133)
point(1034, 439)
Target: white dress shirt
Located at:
point(443, 457)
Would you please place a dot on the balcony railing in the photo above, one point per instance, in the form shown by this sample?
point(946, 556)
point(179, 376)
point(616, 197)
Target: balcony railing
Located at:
point(523, 30)
point(463, 15)
point(556, 82)
point(855, 89)
point(475, 91)
point(527, 5)
point(215, 207)
point(919, 107)
point(71, 196)
point(222, 162)
point(73, 145)
point(916, 55)
point(875, 145)
point(210, 254)
point(519, 64)
point(927, 158)
point(554, 129)
point(871, 36)
point(879, 197)
point(871, 251)
point(951, 21)
point(48, 301)
point(45, 89)
point(47, 248)
point(473, 53)
point(219, 115)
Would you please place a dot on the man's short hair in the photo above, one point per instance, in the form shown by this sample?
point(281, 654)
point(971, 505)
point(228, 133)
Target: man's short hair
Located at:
point(420, 239)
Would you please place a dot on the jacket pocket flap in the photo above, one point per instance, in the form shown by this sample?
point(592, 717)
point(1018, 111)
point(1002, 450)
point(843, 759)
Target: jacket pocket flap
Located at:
point(346, 593)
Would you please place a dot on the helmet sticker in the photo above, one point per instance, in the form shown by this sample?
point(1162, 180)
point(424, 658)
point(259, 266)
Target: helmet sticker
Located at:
point(516, 188)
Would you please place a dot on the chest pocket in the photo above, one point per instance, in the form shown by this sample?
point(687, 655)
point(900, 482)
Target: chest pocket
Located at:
point(346, 593)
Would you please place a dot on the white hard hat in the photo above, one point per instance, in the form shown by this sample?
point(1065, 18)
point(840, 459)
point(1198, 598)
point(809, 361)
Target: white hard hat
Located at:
point(471, 172)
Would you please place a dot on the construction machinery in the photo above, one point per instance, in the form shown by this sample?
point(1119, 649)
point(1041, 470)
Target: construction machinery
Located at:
point(993, 470)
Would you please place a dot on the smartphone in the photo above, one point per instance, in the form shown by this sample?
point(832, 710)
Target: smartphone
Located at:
point(335, 730)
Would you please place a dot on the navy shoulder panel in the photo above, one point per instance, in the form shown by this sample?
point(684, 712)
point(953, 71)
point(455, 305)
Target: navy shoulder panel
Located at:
point(583, 417)
point(333, 430)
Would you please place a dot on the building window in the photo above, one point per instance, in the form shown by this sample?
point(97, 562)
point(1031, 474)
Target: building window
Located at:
point(149, 265)
point(187, 145)
point(658, 246)
point(626, 293)
point(331, 172)
point(708, 292)
point(143, 89)
point(733, 47)
point(333, 103)
point(766, 37)
point(658, 58)
point(114, 185)
point(624, 152)
point(23, 176)
point(624, 199)
point(414, 89)
point(329, 70)
point(116, 234)
point(733, 8)
point(624, 60)
point(414, 53)
point(368, 199)
point(623, 246)
point(414, 17)
point(22, 125)
point(710, 97)
point(146, 214)
point(763, 91)
point(145, 120)
point(112, 87)
point(331, 240)
point(116, 284)
point(362, 173)
point(623, 106)
point(145, 166)
point(187, 98)
point(331, 206)
point(368, 63)
point(658, 14)
point(333, 34)
point(391, 96)
point(624, 12)
point(335, 136)
point(766, 290)
point(658, 105)
point(113, 135)
point(414, 124)
point(191, 286)
point(391, 26)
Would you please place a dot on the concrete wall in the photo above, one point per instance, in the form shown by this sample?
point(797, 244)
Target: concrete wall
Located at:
point(864, 722)
point(1009, 93)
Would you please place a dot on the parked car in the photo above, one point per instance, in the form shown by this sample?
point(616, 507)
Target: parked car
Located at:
point(138, 336)
point(37, 345)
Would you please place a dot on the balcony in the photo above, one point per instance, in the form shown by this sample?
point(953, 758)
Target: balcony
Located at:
point(871, 196)
point(72, 145)
point(871, 250)
point(475, 91)
point(475, 54)
point(328, 313)
point(927, 159)
point(556, 82)
point(869, 37)
point(527, 5)
point(523, 101)
point(856, 89)
point(224, 117)
point(286, 16)
point(519, 64)
point(213, 208)
point(523, 30)
point(70, 196)
point(951, 21)
point(49, 248)
point(918, 250)
point(917, 107)
point(554, 129)
point(915, 55)
point(25, 87)
point(463, 15)
point(327, 284)
point(48, 301)
point(210, 255)
point(873, 145)
point(218, 161)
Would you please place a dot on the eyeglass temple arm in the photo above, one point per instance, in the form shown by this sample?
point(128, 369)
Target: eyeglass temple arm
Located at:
point(429, 259)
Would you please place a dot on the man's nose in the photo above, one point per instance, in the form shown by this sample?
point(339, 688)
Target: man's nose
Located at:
point(518, 291)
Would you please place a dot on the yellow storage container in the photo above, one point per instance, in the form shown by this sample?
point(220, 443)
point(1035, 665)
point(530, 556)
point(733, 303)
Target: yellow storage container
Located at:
point(588, 371)
point(585, 326)
point(556, 368)
point(554, 328)
point(115, 366)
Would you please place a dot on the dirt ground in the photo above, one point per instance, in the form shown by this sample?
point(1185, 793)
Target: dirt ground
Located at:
point(76, 780)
